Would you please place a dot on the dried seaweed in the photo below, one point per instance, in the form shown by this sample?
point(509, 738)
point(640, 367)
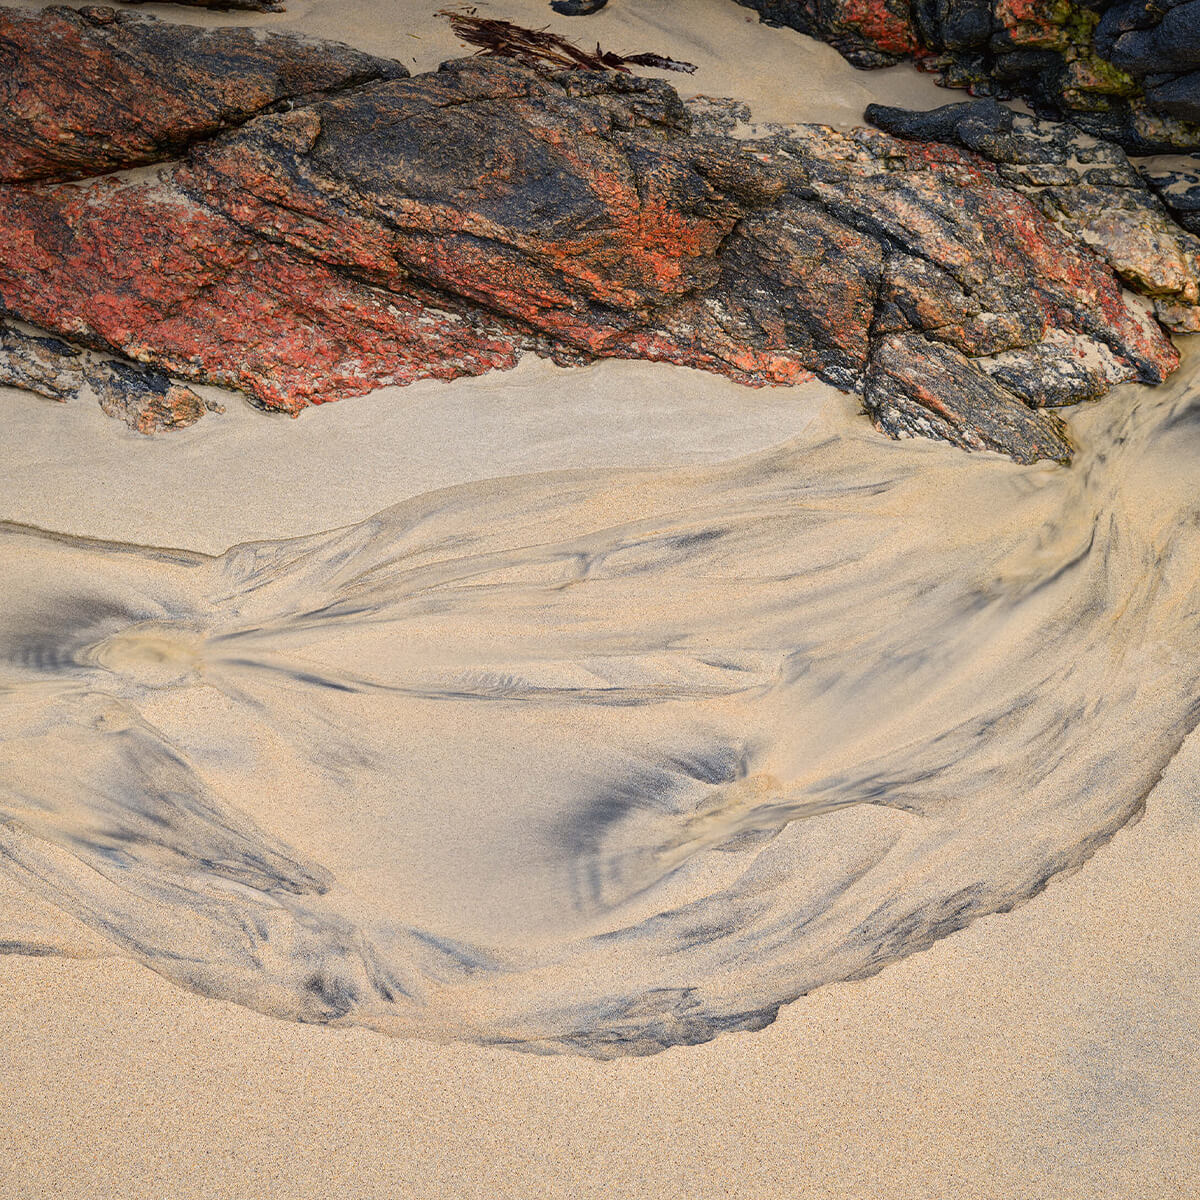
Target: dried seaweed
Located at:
point(540, 47)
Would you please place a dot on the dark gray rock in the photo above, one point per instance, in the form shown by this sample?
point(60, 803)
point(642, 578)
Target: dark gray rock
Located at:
point(917, 388)
point(43, 365)
point(1172, 44)
point(1179, 190)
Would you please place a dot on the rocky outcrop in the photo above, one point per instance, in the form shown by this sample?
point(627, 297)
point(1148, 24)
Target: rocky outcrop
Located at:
point(1128, 72)
point(442, 225)
point(89, 91)
point(1158, 44)
point(145, 400)
point(1086, 187)
point(142, 270)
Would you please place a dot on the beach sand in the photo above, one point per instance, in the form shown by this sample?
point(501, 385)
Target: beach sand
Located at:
point(1048, 1052)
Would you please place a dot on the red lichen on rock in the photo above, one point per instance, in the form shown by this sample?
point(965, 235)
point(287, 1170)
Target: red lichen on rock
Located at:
point(86, 92)
point(577, 203)
point(885, 24)
point(141, 269)
point(438, 226)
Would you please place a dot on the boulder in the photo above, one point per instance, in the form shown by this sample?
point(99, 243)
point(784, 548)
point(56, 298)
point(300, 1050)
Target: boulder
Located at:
point(95, 90)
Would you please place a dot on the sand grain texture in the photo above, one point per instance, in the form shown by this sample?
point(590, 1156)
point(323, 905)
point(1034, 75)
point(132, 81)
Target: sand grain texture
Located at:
point(1046, 1052)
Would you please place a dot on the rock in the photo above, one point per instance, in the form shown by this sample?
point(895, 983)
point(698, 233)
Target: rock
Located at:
point(86, 92)
point(1178, 187)
point(145, 400)
point(1122, 72)
point(577, 202)
point(1086, 187)
point(969, 261)
point(1064, 369)
point(869, 33)
point(139, 269)
point(442, 225)
point(1177, 96)
point(1167, 46)
point(577, 8)
point(41, 365)
point(915, 388)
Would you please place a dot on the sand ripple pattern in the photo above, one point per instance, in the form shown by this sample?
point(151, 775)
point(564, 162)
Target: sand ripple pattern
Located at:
point(605, 761)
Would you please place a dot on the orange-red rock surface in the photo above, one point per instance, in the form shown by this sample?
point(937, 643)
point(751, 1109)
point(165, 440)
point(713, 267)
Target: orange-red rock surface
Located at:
point(140, 269)
point(401, 229)
point(94, 90)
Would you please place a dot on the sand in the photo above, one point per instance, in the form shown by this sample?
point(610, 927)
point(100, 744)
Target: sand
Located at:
point(1046, 1052)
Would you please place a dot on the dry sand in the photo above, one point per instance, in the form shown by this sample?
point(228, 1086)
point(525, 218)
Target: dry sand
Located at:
point(1048, 1052)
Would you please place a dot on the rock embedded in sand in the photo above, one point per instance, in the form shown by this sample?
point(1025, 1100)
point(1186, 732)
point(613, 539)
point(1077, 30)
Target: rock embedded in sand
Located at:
point(440, 225)
point(1125, 71)
point(45, 366)
point(920, 389)
point(606, 222)
point(144, 399)
point(95, 90)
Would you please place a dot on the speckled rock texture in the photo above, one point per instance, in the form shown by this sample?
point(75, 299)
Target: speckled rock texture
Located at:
point(42, 365)
point(1086, 187)
point(442, 225)
point(143, 270)
point(144, 399)
point(1126, 71)
point(95, 90)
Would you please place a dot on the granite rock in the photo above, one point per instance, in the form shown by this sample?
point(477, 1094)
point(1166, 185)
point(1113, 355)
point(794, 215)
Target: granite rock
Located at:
point(95, 90)
point(1123, 71)
point(442, 225)
point(1087, 187)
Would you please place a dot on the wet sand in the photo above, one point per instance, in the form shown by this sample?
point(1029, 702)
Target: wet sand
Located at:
point(611, 637)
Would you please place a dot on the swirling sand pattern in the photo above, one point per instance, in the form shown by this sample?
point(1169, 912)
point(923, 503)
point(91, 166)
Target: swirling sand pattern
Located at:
point(604, 761)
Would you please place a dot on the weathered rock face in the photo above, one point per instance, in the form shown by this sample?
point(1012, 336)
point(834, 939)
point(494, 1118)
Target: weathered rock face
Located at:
point(86, 92)
point(139, 269)
point(439, 226)
point(42, 365)
point(578, 202)
point(1086, 187)
point(1159, 45)
point(146, 400)
point(920, 389)
point(1127, 71)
